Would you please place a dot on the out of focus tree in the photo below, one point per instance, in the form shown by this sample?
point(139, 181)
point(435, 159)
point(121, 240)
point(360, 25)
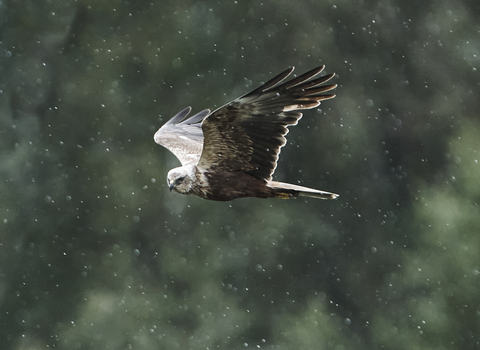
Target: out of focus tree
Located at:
point(96, 253)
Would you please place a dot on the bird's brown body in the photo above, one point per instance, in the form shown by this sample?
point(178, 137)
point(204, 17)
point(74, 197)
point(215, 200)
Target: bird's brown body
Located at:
point(229, 185)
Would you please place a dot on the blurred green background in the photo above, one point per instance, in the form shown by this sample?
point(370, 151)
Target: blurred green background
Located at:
point(96, 253)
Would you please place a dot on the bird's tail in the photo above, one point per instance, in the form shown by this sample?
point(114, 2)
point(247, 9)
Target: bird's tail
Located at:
point(285, 191)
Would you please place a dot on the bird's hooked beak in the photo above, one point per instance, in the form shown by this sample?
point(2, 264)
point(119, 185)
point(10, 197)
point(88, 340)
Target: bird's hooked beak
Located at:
point(170, 185)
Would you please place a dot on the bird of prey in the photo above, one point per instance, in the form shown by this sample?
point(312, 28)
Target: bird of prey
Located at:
point(232, 152)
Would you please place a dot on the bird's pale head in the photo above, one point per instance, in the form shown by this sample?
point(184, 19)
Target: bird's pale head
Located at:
point(181, 179)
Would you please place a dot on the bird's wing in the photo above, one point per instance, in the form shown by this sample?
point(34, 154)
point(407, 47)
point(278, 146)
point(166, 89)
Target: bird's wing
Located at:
point(247, 133)
point(183, 137)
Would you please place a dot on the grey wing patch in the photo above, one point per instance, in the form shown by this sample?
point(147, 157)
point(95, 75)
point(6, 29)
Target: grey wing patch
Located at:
point(183, 137)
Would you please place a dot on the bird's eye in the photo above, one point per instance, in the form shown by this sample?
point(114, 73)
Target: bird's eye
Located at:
point(179, 180)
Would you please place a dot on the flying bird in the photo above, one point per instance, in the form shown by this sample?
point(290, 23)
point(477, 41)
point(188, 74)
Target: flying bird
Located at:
point(232, 152)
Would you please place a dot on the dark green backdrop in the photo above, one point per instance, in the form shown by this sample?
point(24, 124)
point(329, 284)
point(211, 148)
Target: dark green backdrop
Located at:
point(96, 253)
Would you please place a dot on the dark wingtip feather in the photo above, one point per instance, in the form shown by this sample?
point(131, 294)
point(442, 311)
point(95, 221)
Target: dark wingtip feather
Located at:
point(304, 77)
point(315, 82)
point(177, 118)
point(272, 82)
point(319, 90)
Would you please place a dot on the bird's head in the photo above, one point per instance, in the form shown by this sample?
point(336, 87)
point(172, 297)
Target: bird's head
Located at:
point(181, 179)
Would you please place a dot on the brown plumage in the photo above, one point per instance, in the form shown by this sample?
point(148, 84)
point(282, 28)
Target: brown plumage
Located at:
point(232, 152)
